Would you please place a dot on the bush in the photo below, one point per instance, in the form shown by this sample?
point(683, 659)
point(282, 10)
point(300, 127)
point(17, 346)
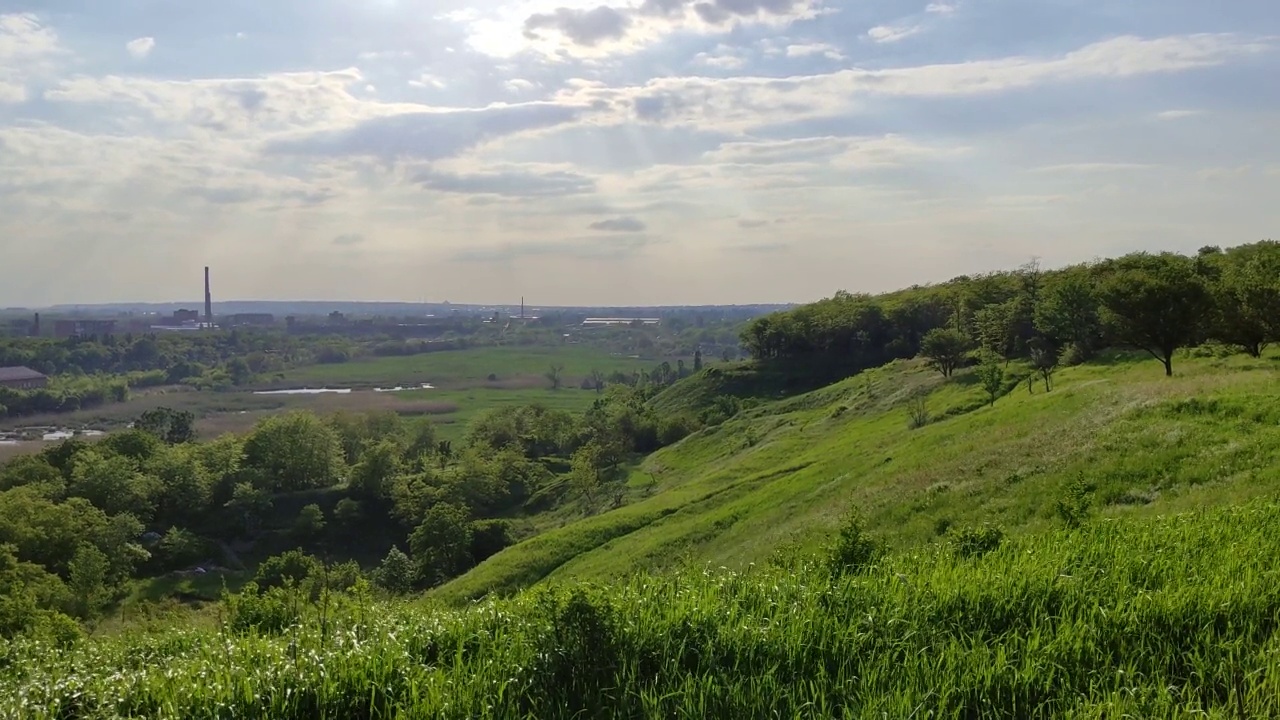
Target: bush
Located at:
point(292, 567)
point(269, 612)
point(854, 549)
point(972, 542)
point(488, 538)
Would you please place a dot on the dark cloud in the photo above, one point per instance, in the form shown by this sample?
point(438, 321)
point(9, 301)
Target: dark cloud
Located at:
point(752, 223)
point(609, 247)
point(662, 8)
point(348, 239)
point(508, 184)
point(622, 224)
point(427, 135)
point(582, 27)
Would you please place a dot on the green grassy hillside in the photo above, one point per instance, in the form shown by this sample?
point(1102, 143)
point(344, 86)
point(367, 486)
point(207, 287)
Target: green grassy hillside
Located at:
point(783, 471)
point(1149, 618)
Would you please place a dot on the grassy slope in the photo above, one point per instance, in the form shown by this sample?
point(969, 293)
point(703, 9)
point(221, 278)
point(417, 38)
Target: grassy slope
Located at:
point(1157, 618)
point(784, 471)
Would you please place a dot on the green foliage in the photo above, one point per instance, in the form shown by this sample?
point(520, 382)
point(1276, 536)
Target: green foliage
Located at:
point(291, 568)
point(266, 612)
point(295, 451)
point(945, 349)
point(309, 524)
point(396, 573)
point(991, 375)
point(1073, 507)
point(854, 550)
point(441, 544)
point(87, 579)
point(169, 425)
point(1165, 617)
point(1157, 303)
point(970, 542)
point(1068, 312)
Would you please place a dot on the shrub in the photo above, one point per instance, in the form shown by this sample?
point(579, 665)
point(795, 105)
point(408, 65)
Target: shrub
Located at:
point(972, 542)
point(917, 412)
point(269, 612)
point(854, 549)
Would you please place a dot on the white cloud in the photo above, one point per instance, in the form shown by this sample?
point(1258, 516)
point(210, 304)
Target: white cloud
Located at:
point(744, 101)
point(1177, 114)
point(805, 50)
point(140, 48)
point(519, 85)
point(1092, 167)
point(723, 58)
point(893, 33)
point(940, 8)
point(27, 49)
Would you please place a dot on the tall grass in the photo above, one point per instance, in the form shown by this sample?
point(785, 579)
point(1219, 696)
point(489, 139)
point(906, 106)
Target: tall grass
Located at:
point(1161, 617)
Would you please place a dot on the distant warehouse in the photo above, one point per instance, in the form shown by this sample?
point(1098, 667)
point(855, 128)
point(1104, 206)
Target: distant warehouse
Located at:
point(22, 378)
point(620, 321)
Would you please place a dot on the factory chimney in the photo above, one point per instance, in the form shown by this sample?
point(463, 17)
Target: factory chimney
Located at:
point(35, 326)
point(208, 300)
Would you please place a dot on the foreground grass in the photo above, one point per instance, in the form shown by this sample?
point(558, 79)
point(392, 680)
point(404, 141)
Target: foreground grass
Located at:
point(1153, 617)
point(781, 472)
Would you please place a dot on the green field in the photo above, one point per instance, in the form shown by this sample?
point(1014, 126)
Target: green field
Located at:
point(782, 473)
point(465, 368)
point(1145, 618)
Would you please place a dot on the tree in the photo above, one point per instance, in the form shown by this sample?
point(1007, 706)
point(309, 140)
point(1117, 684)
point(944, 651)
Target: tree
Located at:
point(87, 580)
point(171, 426)
point(596, 380)
point(991, 374)
point(378, 466)
point(441, 544)
point(586, 464)
point(1044, 360)
point(1246, 298)
point(444, 451)
point(697, 360)
point(248, 505)
point(348, 514)
point(296, 451)
point(396, 572)
point(1156, 303)
point(945, 349)
point(309, 523)
point(1068, 312)
point(553, 376)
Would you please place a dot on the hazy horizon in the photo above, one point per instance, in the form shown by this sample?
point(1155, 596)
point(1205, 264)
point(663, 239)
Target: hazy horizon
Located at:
point(657, 152)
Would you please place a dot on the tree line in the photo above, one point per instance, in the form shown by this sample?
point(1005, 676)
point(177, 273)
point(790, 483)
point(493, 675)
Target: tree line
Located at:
point(1154, 302)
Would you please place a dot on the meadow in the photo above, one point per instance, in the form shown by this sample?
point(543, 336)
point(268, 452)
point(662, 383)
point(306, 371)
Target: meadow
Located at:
point(781, 473)
point(1168, 616)
point(461, 380)
point(519, 366)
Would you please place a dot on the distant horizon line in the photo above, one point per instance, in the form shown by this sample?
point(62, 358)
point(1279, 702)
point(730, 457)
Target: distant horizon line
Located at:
point(199, 304)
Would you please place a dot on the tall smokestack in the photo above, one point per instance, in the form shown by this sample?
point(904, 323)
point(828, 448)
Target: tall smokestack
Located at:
point(35, 326)
point(208, 300)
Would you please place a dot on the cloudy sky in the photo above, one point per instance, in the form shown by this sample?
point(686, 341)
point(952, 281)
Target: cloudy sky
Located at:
point(651, 151)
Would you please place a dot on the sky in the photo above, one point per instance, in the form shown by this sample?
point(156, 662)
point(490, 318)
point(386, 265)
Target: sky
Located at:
point(651, 152)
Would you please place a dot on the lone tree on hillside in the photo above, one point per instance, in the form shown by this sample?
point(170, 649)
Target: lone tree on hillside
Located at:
point(1156, 303)
point(1044, 360)
point(945, 349)
point(992, 376)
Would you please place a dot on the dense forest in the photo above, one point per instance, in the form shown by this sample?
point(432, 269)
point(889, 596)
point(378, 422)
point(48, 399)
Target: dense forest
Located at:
point(1157, 303)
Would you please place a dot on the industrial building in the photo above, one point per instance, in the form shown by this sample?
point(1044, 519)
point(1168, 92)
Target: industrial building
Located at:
point(63, 329)
point(22, 378)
